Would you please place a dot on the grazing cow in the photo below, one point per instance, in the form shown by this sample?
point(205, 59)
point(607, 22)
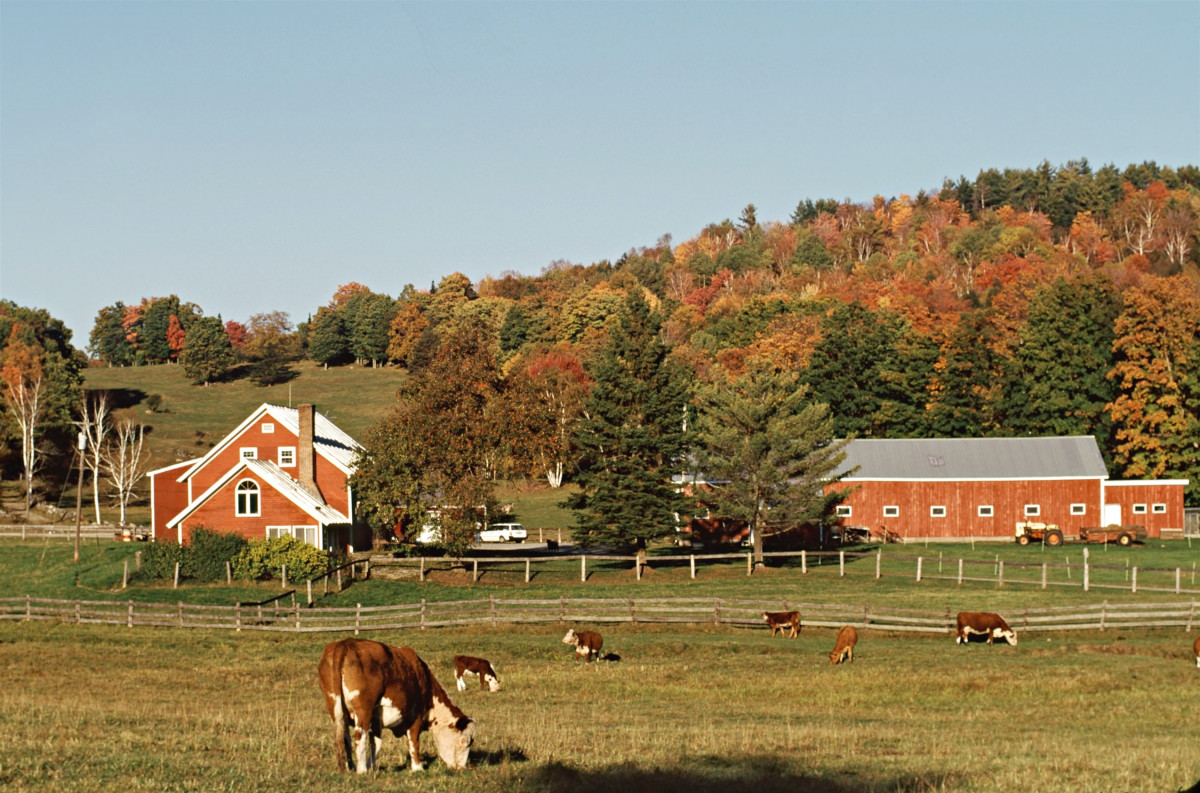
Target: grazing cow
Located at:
point(783, 621)
point(466, 665)
point(983, 623)
point(587, 643)
point(370, 686)
point(1196, 650)
point(843, 649)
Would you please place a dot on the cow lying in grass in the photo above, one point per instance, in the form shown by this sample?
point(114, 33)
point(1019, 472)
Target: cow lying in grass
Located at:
point(370, 687)
point(983, 623)
point(587, 643)
point(467, 665)
point(783, 621)
point(843, 649)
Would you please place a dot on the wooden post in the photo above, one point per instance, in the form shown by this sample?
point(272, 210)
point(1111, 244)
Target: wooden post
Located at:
point(1103, 608)
point(804, 562)
point(960, 568)
point(79, 612)
point(474, 569)
point(181, 613)
point(129, 624)
point(562, 609)
point(492, 599)
point(919, 561)
point(1133, 581)
point(841, 563)
point(692, 564)
point(296, 606)
point(717, 611)
point(176, 576)
point(632, 613)
point(358, 615)
point(1045, 571)
point(422, 568)
point(422, 613)
point(283, 575)
point(137, 561)
point(125, 576)
point(526, 571)
point(1086, 579)
point(749, 564)
point(28, 607)
point(1000, 572)
point(228, 572)
point(1177, 579)
point(237, 618)
point(583, 568)
point(310, 591)
point(879, 563)
point(637, 567)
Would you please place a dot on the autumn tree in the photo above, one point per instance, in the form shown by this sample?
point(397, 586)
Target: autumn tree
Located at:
point(107, 341)
point(271, 345)
point(22, 372)
point(207, 354)
point(770, 447)
point(542, 405)
point(631, 439)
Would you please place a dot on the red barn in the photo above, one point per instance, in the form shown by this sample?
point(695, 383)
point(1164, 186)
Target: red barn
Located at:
point(982, 487)
point(282, 471)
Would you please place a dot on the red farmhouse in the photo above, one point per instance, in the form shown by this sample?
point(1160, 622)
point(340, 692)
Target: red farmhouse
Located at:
point(282, 471)
point(982, 487)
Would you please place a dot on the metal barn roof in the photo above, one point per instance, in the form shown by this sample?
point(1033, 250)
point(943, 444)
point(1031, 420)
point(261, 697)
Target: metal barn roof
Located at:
point(917, 459)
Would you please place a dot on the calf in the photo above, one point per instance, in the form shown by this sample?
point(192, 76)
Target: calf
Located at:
point(370, 687)
point(587, 643)
point(983, 623)
point(1196, 650)
point(466, 665)
point(783, 621)
point(843, 649)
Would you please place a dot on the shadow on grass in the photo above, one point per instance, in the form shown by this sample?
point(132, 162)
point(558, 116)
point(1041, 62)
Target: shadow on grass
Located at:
point(713, 775)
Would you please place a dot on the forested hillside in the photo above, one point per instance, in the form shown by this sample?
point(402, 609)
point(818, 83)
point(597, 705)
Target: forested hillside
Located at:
point(1052, 301)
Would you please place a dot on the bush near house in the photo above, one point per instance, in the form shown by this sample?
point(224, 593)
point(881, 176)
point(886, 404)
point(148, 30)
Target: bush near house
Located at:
point(265, 559)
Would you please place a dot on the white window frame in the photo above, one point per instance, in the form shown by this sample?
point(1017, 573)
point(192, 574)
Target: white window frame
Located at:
point(301, 533)
point(268, 428)
point(239, 490)
point(985, 511)
point(278, 531)
point(248, 453)
point(844, 511)
point(891, 511)
point(1079, 509)
point(1139, 509)
point(1033, 510)
point(1158, 509)
point(287, 451)
point(937, 511)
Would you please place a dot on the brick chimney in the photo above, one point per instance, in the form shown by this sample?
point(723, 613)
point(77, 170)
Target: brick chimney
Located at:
point(306, 461)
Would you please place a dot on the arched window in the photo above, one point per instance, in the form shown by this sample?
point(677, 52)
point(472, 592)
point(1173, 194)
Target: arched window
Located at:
point(247, 498)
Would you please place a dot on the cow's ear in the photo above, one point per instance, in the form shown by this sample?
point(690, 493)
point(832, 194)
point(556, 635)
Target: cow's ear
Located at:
point(462, 723)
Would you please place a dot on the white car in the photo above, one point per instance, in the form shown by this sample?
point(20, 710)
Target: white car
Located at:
point(503, 532)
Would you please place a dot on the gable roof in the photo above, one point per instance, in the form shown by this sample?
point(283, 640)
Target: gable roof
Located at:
point(920, 459)
point(272, 475)
point(329, 440)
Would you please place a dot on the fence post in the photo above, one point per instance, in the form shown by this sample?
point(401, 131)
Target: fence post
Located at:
point(716, 611)
point(237, 620)
point(526, 571)
point(632, 614)
point(358, 616)
point(1086, 581)
point(297, 607)
point(1133, 581)
point(283, 575)
point(692, 564)
point(749, 564)
point(228, 572)
point(1000, 573)
point(422, 613)
point(1045, 568)
point(804, 562)
point(919, 561)
point(582, 568)
point(879, 563)
point(841, 563)
point(125, 576)
point(28, 607)
point(1191, 615)
point(79, 612)
point(181, 613)
point(1177, 579)
point(562, 609)
point(137, 561)
point(492, 599)
point(176, 576)
point(1103, 612)
point(474, 570)
point(129, 624)
point(422, 575)
point(637, 567)
point(960, 568)
point(310, 591)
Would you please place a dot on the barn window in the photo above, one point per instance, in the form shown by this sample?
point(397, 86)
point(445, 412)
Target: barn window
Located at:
point(268, 428)
point(249, 453)
point(247, 498)
point(1033, 510)
point(1159, 509)
point(287, 456)
point(891, 512)
point(1079, 509)
point(844, 511)
point(937, 512)
point(1139, 509)
point(985, 511)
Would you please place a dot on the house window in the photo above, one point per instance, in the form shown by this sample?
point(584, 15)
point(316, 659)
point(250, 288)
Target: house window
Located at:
point(985, 510)
point(278, 531)
point(1079, 509)
point(247, 498)
point(1159, 509)
point(937, 512)
point(891, 512)
point(844, 510)
point(306, 534)
point(1033, 510)
point(287, 456)
point(249, 453)
point(268, 428)
point(1139, 509)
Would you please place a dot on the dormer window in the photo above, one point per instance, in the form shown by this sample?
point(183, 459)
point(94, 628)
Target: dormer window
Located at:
point(287, 456)
point(249, 453)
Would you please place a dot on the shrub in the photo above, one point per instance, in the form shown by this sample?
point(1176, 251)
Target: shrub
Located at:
point(207, 553)
point(160, 558)
point(154, 402)
point(265, 558)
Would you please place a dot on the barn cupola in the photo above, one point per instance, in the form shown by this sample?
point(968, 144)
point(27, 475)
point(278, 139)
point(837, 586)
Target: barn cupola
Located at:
point(306, 460)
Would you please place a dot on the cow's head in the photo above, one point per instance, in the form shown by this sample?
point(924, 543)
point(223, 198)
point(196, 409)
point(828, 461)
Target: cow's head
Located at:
point(492, 683)
point(453, 741)
point(1008, 634)
point(570, 638)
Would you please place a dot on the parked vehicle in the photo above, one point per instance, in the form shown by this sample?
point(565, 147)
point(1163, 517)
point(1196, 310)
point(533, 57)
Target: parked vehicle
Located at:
point(503, 532)
point(1029, 531)
point(1121, 535)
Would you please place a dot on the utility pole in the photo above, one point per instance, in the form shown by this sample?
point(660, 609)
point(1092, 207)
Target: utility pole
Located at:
point(81, 446)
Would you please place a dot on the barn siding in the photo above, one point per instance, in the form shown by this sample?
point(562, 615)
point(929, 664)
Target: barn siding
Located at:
point(1131, 493)
point(962, 500)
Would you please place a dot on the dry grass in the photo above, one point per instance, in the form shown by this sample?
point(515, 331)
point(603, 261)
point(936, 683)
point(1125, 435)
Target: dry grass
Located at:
point(97, 709)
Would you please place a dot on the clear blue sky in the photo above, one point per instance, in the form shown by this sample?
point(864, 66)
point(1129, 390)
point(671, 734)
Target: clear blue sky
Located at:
point(252, 156)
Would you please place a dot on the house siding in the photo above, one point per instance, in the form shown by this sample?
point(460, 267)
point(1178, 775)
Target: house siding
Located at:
point(167, 497)
point(218, 513)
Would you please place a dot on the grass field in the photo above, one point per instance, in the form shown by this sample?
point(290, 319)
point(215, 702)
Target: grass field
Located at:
point(98, 708)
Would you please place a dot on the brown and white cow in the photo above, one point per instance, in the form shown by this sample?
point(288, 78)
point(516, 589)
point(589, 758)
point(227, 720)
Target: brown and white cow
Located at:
point(843, 649)
point(370, 686)
point(468, 665)
point(983, 623)
point(587, 643)
point(783, 621)
point(1196, 650)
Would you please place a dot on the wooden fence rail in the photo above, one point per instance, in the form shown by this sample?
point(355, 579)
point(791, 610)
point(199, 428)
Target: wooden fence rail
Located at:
point(291, 617)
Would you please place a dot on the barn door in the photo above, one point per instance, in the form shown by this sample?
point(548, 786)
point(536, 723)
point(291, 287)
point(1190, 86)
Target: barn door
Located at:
point(1112, 514)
